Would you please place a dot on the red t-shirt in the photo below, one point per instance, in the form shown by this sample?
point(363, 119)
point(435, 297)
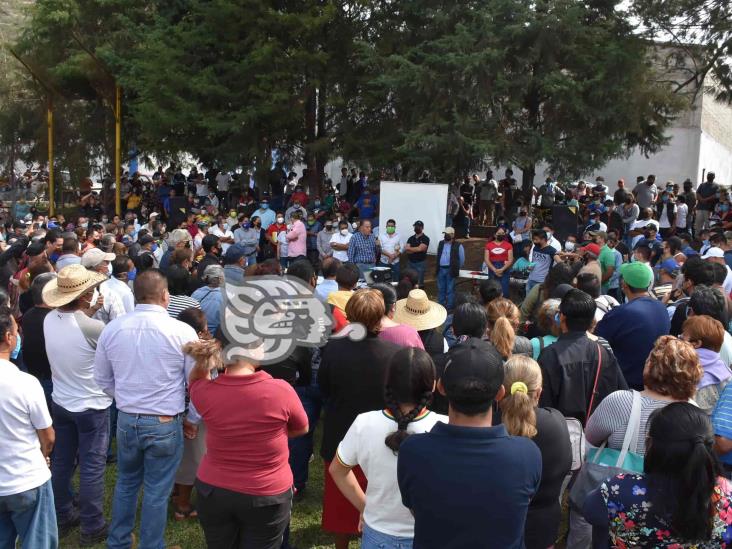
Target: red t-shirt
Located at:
point(300, 197)
point(498, 251)
point(247, 418)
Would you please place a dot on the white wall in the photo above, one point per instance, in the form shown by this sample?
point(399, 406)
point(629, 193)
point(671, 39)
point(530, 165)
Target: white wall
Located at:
point(716, 158)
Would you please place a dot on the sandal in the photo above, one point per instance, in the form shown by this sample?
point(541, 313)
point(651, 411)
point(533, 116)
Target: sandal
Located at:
point(181, 514)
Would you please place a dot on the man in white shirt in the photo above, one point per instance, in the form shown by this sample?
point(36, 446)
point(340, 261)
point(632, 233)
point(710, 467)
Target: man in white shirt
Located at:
point(391, 248)
point(27, 508)
point(201, 189)
point(123, 272)
point(226, 237)
point(339, 241)
point(80, 407)
point(716, 255)
point(107, 305)
point(223, 180)
point(140, 361)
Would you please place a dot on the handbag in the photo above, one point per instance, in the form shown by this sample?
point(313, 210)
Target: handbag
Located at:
point(603, 463)
point(574, 425)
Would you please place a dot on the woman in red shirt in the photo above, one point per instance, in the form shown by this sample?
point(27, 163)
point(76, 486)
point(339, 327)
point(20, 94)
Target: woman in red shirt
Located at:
point(499, 258)
point(244, 482)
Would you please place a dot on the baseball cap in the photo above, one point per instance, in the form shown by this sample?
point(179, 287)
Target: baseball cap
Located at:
point(593, 248)
point(233, 254)
point(153, 214)
point(636, 275)
point(95, 256)
point(713, 252)
point(670, 266)
point(449, 230)
point(418, 222)
point(473, 371)
point(146, 239)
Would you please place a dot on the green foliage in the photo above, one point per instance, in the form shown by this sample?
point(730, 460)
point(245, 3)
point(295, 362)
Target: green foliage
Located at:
point(399, 86)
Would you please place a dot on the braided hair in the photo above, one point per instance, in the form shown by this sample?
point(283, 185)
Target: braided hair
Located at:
point(410, 379)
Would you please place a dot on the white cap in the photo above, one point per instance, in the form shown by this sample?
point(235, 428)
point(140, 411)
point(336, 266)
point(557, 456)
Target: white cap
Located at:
point(713, 252)
point(94, 257)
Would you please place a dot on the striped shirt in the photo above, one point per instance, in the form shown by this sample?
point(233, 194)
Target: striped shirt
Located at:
point(610, 419)
point(179, 303)
point(722, 419)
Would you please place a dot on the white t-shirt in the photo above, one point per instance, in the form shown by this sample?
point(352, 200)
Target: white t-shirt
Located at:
point(202, 189)
point(222, 182)
point(338, 238)
point(664, 221)
point(682, 211)
point(282, 243)
point(22, 410)
point(727, 285)
point(389, 243)
point(226, 233)
point(364, 445)
point(71, 342)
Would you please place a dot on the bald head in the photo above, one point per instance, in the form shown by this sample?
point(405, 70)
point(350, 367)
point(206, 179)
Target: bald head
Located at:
point(151, 287)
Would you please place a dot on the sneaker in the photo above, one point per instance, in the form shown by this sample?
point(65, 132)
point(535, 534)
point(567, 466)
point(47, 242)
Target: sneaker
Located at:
point(87, 540)
point(65, 527)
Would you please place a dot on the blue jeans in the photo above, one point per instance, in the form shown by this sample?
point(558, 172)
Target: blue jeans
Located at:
point(420, 267)
point(373, 539)
point(148, 453)
point(301, 448)
point(86, 435)
point(112, 427)
point(30, 516)
point(445, 288)
point(504, 279)
point(47, 385)
point(363, 267)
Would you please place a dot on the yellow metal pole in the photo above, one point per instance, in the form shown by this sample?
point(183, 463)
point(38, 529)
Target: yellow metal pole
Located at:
point(51, 187)
point(118, 149)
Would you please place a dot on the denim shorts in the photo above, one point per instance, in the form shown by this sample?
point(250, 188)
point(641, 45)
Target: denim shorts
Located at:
point(373, 539)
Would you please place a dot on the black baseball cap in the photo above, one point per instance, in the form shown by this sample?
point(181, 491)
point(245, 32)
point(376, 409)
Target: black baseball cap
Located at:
point(418, 223)
point(146, 239)
point(473, 372)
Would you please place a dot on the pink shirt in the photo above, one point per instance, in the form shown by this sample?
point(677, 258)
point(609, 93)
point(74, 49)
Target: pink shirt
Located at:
point(402, 335)
point(297, 239)
point(247, 418)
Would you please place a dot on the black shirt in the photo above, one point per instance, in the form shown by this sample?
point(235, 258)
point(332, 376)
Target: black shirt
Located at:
point(467, 191)
point(34, 343)
point(351, 378)
point(296, 369)
point(416, 240)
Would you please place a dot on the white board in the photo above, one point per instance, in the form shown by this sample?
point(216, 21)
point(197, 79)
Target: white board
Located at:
point(406, 203)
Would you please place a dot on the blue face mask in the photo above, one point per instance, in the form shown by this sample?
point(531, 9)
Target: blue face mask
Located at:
point(664, 198)
point(706, 242)
point(15, 352)
point(264, 205)
point(132, 274)
point(557, 319)
point(246, 225)
point(154, 246)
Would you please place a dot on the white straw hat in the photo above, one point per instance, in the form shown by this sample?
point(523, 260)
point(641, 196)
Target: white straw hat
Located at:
point(72, 281)
point(419, 312)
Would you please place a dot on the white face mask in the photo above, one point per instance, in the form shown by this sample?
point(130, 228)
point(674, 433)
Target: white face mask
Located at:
point(109, 269)
point(280, 220)
point(569, 246)
point(344, 232)
point(354, 225)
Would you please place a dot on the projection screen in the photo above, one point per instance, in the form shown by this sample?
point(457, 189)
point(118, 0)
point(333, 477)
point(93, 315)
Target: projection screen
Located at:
point(407, 202)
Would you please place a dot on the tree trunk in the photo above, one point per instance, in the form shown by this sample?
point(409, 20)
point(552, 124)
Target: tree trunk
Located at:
point(527, 183)
point(321, 155)
point(311, 121)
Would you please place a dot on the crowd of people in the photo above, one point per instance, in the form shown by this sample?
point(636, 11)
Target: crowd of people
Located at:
point(458, 421)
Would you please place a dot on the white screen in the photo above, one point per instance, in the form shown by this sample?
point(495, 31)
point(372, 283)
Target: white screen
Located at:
point(406, 203)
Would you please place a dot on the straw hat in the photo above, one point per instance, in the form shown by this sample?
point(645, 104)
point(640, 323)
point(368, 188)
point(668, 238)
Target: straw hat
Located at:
point(419, 312)
point(72, 281)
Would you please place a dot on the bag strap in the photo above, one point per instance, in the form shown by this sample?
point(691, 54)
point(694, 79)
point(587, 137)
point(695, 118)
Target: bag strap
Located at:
point(597, 379)
point(631, 431)
point(541, 344)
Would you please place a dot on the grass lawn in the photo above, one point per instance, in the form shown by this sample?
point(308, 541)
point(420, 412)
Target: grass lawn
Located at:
point(305, 525)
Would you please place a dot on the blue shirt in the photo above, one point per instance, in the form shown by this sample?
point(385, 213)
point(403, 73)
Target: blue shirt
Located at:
point(445, 257)
point(632, 329)
point(324, 288)
point(542, 260)
point(367, 204)
point(722, 419)
point(210, 300)
point(362, 249)
point(266, 217)
point(468, 486)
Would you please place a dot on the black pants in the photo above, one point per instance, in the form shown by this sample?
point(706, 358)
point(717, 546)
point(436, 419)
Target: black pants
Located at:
point(232, 520)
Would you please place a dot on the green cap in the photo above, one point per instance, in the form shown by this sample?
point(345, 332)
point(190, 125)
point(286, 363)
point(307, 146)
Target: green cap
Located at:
point(636, 275)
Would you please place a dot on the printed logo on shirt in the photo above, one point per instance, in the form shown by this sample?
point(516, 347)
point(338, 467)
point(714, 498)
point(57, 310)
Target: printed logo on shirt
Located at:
point(265, 317)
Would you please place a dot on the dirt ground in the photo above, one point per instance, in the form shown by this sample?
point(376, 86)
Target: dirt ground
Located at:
point(474, 248)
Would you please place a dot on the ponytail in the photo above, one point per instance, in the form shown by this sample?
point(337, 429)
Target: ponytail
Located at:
point(394, 440)
point(522, 380)
point(503, 337)
point(694, 515)
point(207, 354)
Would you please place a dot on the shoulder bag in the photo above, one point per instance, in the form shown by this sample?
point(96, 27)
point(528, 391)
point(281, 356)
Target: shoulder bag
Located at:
point(603, 462)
